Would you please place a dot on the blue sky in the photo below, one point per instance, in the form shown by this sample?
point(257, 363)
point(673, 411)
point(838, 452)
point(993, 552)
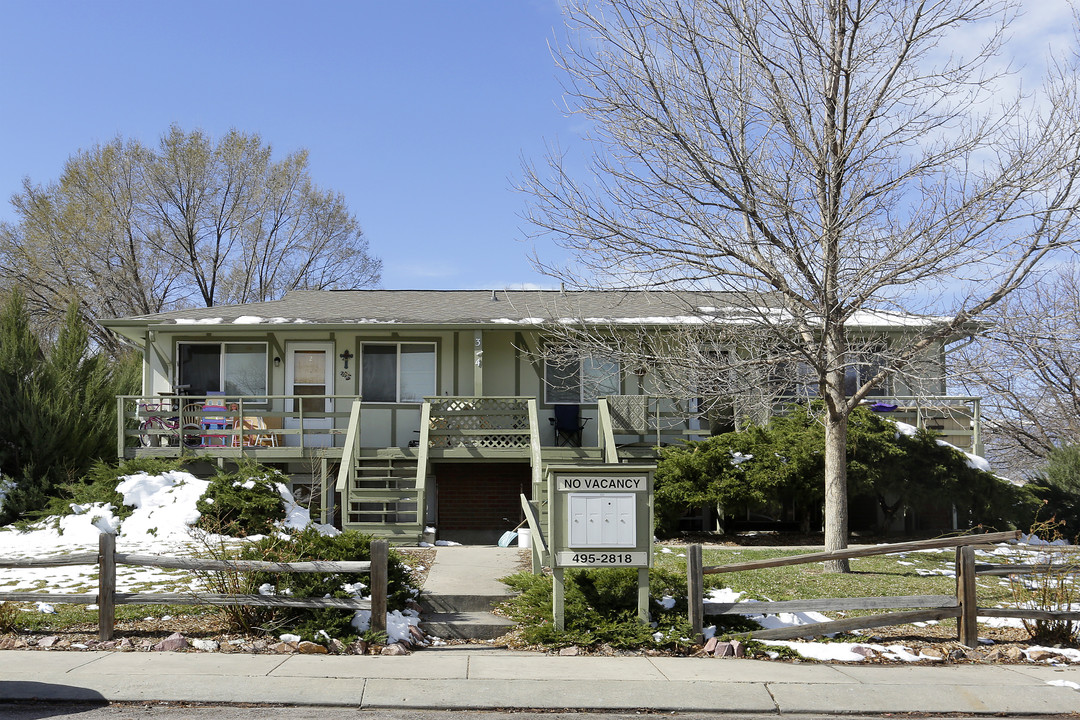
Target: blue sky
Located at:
point(418, 112)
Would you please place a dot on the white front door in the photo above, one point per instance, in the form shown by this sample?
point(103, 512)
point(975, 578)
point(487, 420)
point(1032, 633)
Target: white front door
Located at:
point(309, 371)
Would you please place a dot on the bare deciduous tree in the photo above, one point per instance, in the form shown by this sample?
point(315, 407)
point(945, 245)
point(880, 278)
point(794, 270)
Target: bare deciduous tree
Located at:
point(1027, 368)
point(837, 157)
point(130, 230)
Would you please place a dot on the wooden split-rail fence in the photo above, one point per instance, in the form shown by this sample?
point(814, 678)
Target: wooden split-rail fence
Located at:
point(107, 598)
point(920, 608)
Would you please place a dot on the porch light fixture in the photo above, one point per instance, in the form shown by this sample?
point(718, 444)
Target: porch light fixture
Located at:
point(277, 362)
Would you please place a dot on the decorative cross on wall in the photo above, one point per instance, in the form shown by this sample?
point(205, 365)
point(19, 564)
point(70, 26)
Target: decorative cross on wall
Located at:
point(346, 356)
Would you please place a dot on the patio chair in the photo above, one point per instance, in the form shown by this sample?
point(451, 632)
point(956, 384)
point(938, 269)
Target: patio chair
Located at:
point(209, 423)
point(256, 433)
point(568, 425)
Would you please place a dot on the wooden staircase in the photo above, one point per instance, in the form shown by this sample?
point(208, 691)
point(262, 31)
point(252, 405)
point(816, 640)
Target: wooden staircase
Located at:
point(382, 498)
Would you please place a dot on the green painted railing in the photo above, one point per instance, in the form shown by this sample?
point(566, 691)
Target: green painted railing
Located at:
point(659, 420)
point(173, 425)
point(347, 466)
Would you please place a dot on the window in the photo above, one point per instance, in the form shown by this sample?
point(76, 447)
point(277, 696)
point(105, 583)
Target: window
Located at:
point(799, 379)
point(575, 381)
point(856, 374)
point(791, 380)
point(309, 368)
point(231, 368)
point(716, 383)
point(397, 372)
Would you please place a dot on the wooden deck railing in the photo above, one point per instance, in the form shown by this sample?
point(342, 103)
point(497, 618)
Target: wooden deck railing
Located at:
point(107, 598)
point(173, 425)
point(957, 418)
point(931, 607)
point(661, 420)
point(492, 423)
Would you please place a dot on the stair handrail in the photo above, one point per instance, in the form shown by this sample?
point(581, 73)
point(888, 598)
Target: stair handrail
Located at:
point(536, 534)
point(605, 430)
point(422, 463)
point(535, 451)
point(347, 468)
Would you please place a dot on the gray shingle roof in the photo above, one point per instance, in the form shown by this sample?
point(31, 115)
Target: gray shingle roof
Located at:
point(444, 307)
point(501, 308)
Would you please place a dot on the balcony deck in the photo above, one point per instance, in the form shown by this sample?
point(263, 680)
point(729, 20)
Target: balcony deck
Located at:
point(384, 490)
point(281, 428)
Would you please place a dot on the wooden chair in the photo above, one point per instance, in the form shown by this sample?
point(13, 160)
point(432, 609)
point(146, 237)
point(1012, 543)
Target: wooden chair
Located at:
point(255, 433)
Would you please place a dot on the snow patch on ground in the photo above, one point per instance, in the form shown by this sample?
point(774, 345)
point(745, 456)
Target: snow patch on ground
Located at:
point(1064, 683)
point(160, 524)
point(847, 652)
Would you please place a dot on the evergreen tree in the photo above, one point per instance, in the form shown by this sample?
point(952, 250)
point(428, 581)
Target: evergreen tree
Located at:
point(783, 464)
point(20, 354)
point(1058, 488)
point(57, 406)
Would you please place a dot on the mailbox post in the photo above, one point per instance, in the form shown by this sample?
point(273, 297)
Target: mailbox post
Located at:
point(601, 516)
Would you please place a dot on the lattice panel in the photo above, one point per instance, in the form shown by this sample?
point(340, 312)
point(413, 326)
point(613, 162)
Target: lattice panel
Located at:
point(629, 413)
point(479, 422)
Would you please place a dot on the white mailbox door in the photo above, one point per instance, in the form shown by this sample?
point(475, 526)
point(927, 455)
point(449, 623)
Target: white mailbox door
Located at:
point(602, 519)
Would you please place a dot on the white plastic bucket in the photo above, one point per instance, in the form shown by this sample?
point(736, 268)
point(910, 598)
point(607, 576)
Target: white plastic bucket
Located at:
point(524, 538)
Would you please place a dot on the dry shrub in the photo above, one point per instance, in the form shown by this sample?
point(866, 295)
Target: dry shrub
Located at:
point(8, 614)
point(1051, 587)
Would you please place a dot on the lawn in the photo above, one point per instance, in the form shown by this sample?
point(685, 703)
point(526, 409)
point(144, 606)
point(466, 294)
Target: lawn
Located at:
point(910, 573)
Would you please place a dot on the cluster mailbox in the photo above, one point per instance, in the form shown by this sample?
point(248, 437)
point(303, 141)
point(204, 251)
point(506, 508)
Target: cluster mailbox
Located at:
point(607, 520)
point(601, 516)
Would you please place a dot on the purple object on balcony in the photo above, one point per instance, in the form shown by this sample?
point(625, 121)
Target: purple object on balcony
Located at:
point(210, 423)
point(883, 407)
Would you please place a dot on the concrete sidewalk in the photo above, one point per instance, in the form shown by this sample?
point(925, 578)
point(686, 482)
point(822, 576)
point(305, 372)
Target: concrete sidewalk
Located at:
point(464, 677)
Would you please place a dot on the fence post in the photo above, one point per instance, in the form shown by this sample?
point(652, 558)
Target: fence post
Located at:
point(380, 551)
point(967, 623)
point(695, 582)
point(106, 585)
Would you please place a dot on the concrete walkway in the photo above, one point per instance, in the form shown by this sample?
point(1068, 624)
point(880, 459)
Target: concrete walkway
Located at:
point(473, 570)
point(462, 588)
point(462, 677)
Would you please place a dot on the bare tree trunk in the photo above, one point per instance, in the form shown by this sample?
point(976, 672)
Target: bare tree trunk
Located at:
point(837, 412)
point(836, 498)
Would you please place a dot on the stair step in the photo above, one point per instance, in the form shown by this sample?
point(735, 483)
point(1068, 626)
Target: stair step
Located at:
point(401, 490)
point(404, 532)
point(381, 495)
point(436, 603)
point(466, 625)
